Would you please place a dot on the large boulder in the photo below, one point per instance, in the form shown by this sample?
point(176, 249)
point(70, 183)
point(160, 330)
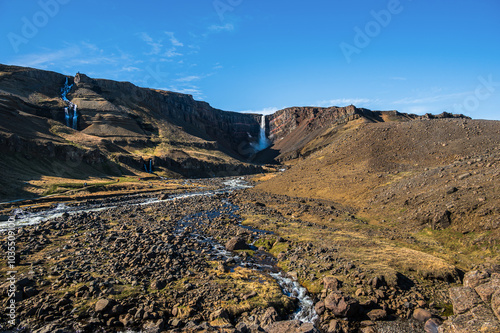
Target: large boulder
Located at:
point(473, 279)
point(464, 299)
point(377, 314)
point(269, 317)
point(486, 290)
point(441, 220)
point(331, 283)
point(102, 305)
point(476, 305)
point(236, 243)
point(342, 305)
point(495, 303)
point(421, 315)
point(291, 326)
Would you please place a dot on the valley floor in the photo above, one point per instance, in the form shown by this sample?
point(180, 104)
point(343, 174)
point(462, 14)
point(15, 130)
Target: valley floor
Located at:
point(217, 255)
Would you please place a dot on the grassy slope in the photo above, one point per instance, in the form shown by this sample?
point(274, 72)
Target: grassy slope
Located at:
point(397, 175)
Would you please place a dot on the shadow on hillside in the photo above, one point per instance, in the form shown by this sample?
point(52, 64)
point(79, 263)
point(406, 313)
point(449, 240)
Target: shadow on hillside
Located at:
point(18, 171)
point(404, 282)
point(266, 156)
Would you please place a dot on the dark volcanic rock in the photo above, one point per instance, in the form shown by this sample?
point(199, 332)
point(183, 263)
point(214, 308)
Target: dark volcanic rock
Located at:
point(472, 312)
point(102, 305)
point(291, 326)
point(236, 243)
point(331, 283)
point(342, 305)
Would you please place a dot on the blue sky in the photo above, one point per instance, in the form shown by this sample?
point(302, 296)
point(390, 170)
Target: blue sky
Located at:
point(259, 55)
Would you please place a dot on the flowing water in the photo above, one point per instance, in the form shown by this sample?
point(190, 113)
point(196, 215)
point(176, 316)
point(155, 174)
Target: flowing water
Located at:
point(262, 261)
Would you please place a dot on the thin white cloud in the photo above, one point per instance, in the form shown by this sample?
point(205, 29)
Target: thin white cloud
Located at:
point(193, 90)
point(346, 101)
point(173, 40)
point(266, 111)
point(398, 78)
point(156, 46)
point(420, 109)
point(44, 59)
point(432, 99)
point(172, 53)
point(92, 47)
point(189, 78)
point(73, 55)
point(221, 28)
point(130, 69)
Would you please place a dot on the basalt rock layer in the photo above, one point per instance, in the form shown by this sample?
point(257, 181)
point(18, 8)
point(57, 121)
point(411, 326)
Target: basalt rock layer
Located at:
point(118, 129)
point(298, 131)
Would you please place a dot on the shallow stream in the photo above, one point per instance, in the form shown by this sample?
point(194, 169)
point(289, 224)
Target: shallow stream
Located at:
point(262, 261)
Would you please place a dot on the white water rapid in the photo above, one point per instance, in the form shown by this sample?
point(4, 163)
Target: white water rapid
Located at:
point(263, 142)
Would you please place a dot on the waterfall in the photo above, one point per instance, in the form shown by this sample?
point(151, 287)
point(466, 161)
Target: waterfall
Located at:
point(66, 116)
point(75, 117)
point(150, 170)
point(263, 142)
point(73, 120)
point(65, 90)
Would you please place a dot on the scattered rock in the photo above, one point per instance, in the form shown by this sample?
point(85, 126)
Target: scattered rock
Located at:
point(342, 306)
point(421, 315)
point(331, 283)
point(451, 190)
point(432, 325)
point(320, 307)
point(102, 305)
point(474, 278)
point(269, 317)
point(464, 299)
point(495, 303)
point(377, 314)
point(236, 243)
point(441, 220)
point(291, 326)
point(158, 284)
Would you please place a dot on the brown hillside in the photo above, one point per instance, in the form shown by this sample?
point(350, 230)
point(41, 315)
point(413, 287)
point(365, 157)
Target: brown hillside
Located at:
point(436, 174)
point(119, 127)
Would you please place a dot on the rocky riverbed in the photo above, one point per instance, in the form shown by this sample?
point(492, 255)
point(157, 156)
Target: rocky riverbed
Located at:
point(202, 261)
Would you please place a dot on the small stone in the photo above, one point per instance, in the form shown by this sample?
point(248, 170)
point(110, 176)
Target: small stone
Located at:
point(331, 283)
point(421, 315)
point(102, 305)
point(158, 284)
point(377, 314)
point(432, 325)
point(320, 308)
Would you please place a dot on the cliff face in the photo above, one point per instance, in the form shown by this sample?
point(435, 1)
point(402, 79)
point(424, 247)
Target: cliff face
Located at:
point(126, 125)
point(229, 129)
point(117, 128)
point(284, 122)
point(299, 131)
point(125, 106)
